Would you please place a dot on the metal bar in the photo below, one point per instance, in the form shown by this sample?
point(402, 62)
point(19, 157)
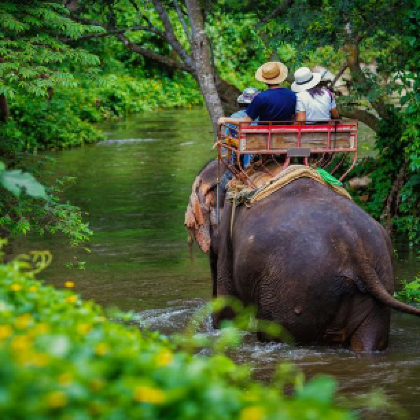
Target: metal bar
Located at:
point(219, 153)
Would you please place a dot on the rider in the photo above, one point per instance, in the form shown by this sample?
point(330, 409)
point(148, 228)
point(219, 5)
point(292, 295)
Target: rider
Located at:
point(244, 99)
point(314, 102)
point(274, 104)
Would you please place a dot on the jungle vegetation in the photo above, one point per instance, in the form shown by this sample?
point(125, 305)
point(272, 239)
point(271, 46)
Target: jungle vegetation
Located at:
point(61, 358)
point(67, 64)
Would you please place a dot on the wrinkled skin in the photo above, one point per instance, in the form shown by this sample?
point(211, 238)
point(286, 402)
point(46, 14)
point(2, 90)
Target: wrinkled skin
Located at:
point(312, 261)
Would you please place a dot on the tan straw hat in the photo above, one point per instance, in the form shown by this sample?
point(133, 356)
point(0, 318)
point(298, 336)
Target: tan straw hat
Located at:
point(272, 73)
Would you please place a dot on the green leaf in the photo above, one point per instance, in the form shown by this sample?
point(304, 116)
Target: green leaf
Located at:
point(17, 182)
point(321, 388)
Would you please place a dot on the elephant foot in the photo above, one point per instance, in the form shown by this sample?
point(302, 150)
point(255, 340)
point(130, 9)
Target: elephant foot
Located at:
point(372, 334)
point(226, 314)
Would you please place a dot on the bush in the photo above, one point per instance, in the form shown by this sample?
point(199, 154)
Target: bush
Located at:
point(26, 205)
point(410, 291)
point(120, 95)
point(60, 358)
point(41, 124)
point(64, 121)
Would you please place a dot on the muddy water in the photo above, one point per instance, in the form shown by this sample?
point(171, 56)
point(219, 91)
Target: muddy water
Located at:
point(134, 187)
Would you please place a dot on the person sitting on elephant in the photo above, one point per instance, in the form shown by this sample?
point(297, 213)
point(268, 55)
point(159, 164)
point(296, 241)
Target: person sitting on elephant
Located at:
point(244, 99)
point(314, 102)
point(274, 104)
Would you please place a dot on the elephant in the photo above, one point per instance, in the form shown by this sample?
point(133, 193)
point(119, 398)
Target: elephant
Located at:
point(305, 257)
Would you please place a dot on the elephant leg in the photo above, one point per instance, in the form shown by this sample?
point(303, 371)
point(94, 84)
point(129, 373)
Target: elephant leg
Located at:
point(227, 313)
point(213, 268)
point(224, 281)
point(373, 332)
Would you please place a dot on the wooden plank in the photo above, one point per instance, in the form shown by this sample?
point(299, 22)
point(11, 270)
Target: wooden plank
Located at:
point(256, 142)
point(284, 141)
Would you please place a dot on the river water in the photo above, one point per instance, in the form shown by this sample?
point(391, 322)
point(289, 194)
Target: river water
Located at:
point(135, 187)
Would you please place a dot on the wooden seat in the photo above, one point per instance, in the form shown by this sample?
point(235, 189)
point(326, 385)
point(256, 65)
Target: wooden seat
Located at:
point(312, 142)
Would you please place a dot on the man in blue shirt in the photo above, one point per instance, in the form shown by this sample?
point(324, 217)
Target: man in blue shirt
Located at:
point(274, 104)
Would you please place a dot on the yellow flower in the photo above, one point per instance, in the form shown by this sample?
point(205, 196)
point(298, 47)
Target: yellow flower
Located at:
point(5, 331)
point(164, 358)
point(69, 284)
point(149, 395)
point(33, 289)
point(37, 359)
point(20, 343)
point(84, 328)
point(253, 413)
point(65, 379)
point(40, 329)
point(23, 321)
point(71, 299)
point(56, 399)
point(15, 287)
point(101, 349)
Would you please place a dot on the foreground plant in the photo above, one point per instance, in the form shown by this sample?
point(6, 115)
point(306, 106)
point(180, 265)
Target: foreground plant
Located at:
point(60, 358)
point(26, 205)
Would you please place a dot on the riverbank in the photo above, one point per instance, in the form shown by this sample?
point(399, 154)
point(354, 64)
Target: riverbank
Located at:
point(65, 120)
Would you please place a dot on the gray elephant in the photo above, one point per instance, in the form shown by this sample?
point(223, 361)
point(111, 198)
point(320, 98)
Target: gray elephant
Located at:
point(305, 257)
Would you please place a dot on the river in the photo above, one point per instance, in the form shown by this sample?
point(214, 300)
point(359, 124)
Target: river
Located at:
point(134, 187)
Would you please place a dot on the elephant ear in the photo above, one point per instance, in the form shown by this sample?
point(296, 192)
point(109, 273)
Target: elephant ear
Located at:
point(201, 209)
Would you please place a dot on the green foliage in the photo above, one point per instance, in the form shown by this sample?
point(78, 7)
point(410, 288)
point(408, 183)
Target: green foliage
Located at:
point(410, 291)
point(61, 359)
point(64, 121)
point(120, 95)
point(18, 182)
point(36, 123)
point(398, 143)
point(32, 49)
point(29, 211)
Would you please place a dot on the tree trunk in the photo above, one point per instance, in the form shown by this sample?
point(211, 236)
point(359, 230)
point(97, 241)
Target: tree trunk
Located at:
point(201, 56)
point(4, 108)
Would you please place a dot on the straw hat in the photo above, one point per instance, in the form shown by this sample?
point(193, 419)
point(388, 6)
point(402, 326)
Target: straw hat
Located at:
point(305, 79)
point(272, 73)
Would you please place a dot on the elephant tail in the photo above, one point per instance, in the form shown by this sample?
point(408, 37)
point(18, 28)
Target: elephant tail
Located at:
point(378, 290)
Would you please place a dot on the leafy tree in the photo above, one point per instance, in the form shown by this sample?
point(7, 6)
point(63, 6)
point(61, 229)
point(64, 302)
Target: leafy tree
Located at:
point(33, 51)
point(34, 57)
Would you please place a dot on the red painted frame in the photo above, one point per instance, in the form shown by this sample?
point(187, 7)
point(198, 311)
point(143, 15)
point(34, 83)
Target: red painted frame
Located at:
point(268, 127)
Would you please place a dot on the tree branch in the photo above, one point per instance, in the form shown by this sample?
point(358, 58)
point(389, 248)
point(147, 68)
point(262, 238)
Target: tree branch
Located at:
point(87, 21)
point(170, 34)
point(182, 20)
point(276, 12)
point(115, 31)
point(393, 199)
point(339, 74)
point(359, 77)
point(371, 120)
point(154, 56)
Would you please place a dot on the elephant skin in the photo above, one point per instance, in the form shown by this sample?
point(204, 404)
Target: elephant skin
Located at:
point(310, 260)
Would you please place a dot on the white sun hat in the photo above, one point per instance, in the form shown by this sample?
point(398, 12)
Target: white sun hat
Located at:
point(305, 79)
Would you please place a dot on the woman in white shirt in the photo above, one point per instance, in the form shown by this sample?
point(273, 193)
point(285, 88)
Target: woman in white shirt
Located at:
point(314, 102)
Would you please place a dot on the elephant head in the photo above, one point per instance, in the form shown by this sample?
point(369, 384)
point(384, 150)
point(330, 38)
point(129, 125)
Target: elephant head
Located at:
point(201, 217)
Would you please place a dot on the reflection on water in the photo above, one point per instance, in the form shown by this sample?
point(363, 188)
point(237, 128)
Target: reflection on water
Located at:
point(135, 187)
